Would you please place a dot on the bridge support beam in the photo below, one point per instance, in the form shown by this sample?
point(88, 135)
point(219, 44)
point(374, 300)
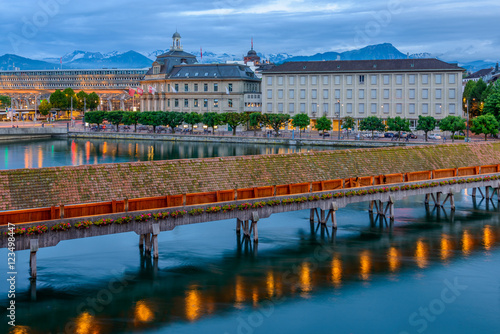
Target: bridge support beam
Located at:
point(156, 231)
point(311, 215)
point(370, 208)
point(427, 198)
point(141, 241)
point(33, 250)
point(148, 243)
point(238, 225)
point(473, 192)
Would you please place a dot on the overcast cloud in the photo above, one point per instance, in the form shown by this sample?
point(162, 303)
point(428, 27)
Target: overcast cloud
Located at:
point(457, 30)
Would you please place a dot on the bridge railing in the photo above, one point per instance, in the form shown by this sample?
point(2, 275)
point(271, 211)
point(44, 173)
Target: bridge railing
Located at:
point(141, 204)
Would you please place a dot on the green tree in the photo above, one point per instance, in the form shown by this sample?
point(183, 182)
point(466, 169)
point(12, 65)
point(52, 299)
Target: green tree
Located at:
point(474, 92)
point(492, 103)
point(81, 99)
point(58, 100)
point(115, 118)
point(348, 123)
point(131, 118)
point(234, 119)
point(152, 118)
point(70, 96)
point(301, 121)
point(371, 123)
point(93, 101)
point(485, 124)
point(398, 124)
point(4, 101)
point(426, 124)
point(192, 119)
point(452, 124)
point(95, 117)
point(323, 124)
point(173, 119)
point(212, 119)
point(256, 120)
point(276, 121)
point(44, 107)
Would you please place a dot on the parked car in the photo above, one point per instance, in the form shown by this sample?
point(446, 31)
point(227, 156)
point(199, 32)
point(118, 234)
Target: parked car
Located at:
point(434, 137)
point(403, 135)
point(412, 136)
point(327, 134)
point(388, 135)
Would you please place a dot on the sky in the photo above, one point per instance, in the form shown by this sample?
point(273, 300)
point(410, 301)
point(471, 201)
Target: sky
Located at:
point(453, 30)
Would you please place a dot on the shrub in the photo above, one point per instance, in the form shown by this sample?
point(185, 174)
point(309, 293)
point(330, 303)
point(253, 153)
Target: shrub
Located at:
point(160, 215)
point(83, 224)
point(213, 209)
point(273, 202)
point(103, 222)
point(326, 196)
point(313, 198)
point(143, 217)
point(61, 227)
point(228, 208)
point(258, 205)
point(39, 229)
point(244, 206)
point(178, 213)
point(196, 212)
point(123, 220)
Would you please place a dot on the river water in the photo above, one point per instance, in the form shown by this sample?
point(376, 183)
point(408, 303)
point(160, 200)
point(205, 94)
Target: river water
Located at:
point(432, 271)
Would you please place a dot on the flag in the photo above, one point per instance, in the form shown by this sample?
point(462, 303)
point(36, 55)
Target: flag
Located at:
point(131, 91)
point(201, 55)
point(60, 61)
point(140, 91)
point(227, 91)
point(151, 90)
point(173, 89)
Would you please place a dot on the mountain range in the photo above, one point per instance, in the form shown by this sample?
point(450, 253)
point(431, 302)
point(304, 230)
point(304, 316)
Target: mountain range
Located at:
point(132, 59)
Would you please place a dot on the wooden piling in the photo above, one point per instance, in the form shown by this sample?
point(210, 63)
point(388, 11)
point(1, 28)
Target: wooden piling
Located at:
point(427, 197)
point(474, 192)
point(452, 201)
point(148, 243)
point(33, 251)
point(311, 216)
point(370, 208)
point(141, 241)
point(156, 231)
point(238, 226)
point(255, 232)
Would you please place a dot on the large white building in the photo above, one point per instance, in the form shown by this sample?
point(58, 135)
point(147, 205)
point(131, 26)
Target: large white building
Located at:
point(361, 88)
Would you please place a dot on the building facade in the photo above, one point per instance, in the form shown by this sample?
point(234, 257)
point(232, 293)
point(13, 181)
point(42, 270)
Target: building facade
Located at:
point(176, 82)
point(383, 88)
point(24, 87)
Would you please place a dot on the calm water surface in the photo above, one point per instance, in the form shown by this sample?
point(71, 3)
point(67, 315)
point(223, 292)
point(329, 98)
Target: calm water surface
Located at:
point(431, 272)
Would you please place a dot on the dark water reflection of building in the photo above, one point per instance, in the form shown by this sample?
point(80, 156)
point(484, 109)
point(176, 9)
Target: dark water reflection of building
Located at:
point(57, 152)
point(319, 262)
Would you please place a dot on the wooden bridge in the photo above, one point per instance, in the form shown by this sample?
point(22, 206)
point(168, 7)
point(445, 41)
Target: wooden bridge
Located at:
point(37, 225)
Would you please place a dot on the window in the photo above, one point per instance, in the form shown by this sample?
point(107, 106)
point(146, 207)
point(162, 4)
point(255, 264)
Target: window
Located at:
point(361, 108)
point(425, 78)
point(325, 93)
point(385, 108)
point(205, 103)
point(348, 108)
point(386, 93)
point(361, 79)
point(349, 79)
point(230, 103)
point(425, 108)
point(337, 93)
point(302, 80)
point(325, 80)
point(425, 93)
point(280, 107)
point(451, 108)
point(412, 93)
point(399, 108)
point(216, 103)
point(291, 107)
point(361, 94)
point(399, 79)
point(156, 70)
point(291, 93)
point(280, 93)
point(269, 93)
point(438, 93)
point(269, 107)
point(451, 78)
point(373, 79)
point(314, 107)
point(337, 79)
point(386, 79)
point(314, 80)
point(325, 108)
point(291, 80)
point(195, 87)
point(438, 108)
point(373, 94)
point(451, 93)
point(373, 108)
point(176, 87)
point(230, 87)
point(186, 103)
point(186, 87)
point(302, 93)
point(412, 108)
point(205, 87)
point(269, 81)
point(280, 81)
point(216, 87)
point(196, 104)
point(168, 103)
point(399, 93)
point(438, 78)
point(176, 102)
point(349, 93)
point(411, 79)
point(314, 94)
point(302, 107)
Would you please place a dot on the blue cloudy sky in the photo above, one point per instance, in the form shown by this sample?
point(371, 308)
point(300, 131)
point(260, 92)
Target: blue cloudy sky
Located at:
point(456, 30)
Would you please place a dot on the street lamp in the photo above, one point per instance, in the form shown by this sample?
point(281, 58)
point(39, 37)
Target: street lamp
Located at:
point(338, 116)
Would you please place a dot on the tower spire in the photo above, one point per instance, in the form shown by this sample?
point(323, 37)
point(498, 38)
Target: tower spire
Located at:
point(252, 44)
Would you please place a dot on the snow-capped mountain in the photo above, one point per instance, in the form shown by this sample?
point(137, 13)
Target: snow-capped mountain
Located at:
point(78, 54)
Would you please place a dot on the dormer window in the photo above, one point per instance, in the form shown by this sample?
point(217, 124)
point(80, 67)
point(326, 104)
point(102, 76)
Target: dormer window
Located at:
point(156, 69)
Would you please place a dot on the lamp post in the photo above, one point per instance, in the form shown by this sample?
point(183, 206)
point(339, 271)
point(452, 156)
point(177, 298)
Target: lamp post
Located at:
point(338, 114)
point(468, 139)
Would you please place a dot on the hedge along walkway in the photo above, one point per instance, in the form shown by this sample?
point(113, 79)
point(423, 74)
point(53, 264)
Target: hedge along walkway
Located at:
point(45, 187)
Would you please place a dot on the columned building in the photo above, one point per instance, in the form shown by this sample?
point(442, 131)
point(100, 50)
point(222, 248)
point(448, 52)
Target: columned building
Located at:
point(176, 82)
point(361, 88)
